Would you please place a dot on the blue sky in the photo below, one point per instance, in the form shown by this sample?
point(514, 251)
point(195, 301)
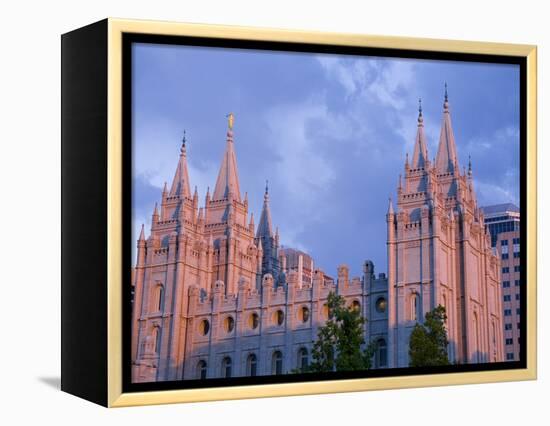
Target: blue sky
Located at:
point(329, 132)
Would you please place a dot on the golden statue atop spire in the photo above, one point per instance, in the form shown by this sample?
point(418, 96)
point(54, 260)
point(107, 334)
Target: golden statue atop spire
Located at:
point(230, 120)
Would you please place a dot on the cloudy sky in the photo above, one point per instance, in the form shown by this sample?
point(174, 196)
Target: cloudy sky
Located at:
point(329, 132)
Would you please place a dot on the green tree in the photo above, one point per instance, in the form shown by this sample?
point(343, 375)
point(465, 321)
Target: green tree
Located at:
point(428, 342)
point(339, 342)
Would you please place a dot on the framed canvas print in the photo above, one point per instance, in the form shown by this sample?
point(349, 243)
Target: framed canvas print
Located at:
point(250, 212)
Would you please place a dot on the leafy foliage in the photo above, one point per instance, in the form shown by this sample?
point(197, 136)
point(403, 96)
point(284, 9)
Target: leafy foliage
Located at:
point(339, 342)
point(428, 342)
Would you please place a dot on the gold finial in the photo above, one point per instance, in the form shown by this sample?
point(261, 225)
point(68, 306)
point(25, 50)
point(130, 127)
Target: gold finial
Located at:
point(230, 120)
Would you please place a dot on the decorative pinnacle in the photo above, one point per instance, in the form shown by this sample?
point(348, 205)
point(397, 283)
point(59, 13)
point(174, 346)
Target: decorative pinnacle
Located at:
point(420, 119)
point(469, 164)
point(266, 194)
point(183, 142)
point(142, 233)
point(446, 103)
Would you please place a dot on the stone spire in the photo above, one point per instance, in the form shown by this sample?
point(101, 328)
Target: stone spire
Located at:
point(390, 206)
point(180, 184)
point(446, 160)
point(142, 233)
point(420, 155)
point(264, 227)
point(251, 223)
point(228, 177)
point(155, 218)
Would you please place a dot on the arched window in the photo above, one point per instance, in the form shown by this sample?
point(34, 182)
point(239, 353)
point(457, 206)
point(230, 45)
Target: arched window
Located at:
point(277, 362)
point(252, 365)
point(253, 320)
point(229, 324)
point(226, 367)
point(156, 338)
point(279, 317)
point(355, 305)
point(381, 305)
point(303, 359)
point(381, 358)
point(158, 294)
point(201, 369)
point(305, 314)
point(415, 307)
point(204, 327)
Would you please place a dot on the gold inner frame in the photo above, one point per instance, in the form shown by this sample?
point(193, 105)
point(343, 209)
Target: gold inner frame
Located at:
point(116, 28)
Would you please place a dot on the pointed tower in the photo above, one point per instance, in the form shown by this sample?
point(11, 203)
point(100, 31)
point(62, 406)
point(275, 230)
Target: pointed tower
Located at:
point(226, 214)
point(265, 237)
point(420, 155)
point(264, 227)
point(438, 255)
point(446, 160)
point(192, 251)
point(228, 177)
point(180, 184)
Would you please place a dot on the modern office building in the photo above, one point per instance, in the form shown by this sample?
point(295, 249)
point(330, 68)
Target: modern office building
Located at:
point(503, 223)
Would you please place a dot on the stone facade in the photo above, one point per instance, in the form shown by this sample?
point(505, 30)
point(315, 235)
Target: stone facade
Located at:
point(214, 296)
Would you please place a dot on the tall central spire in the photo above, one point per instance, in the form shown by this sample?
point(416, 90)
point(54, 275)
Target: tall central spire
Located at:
point(446, 160)
point(264, 227)
point(228, 177)
point(420, 155)
point(180, 184)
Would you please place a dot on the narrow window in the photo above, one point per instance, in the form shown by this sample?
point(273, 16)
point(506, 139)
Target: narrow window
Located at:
point(252, 364)
point(414, 308)
point(381, 353)
point(226, 367)
point(277, 362)
point(156, 338)
point(157, 296)
point(201, 369)
point(303, 359)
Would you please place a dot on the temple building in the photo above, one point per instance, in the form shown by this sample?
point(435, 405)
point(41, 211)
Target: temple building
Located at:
point(216, 296)
point(439, 253)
